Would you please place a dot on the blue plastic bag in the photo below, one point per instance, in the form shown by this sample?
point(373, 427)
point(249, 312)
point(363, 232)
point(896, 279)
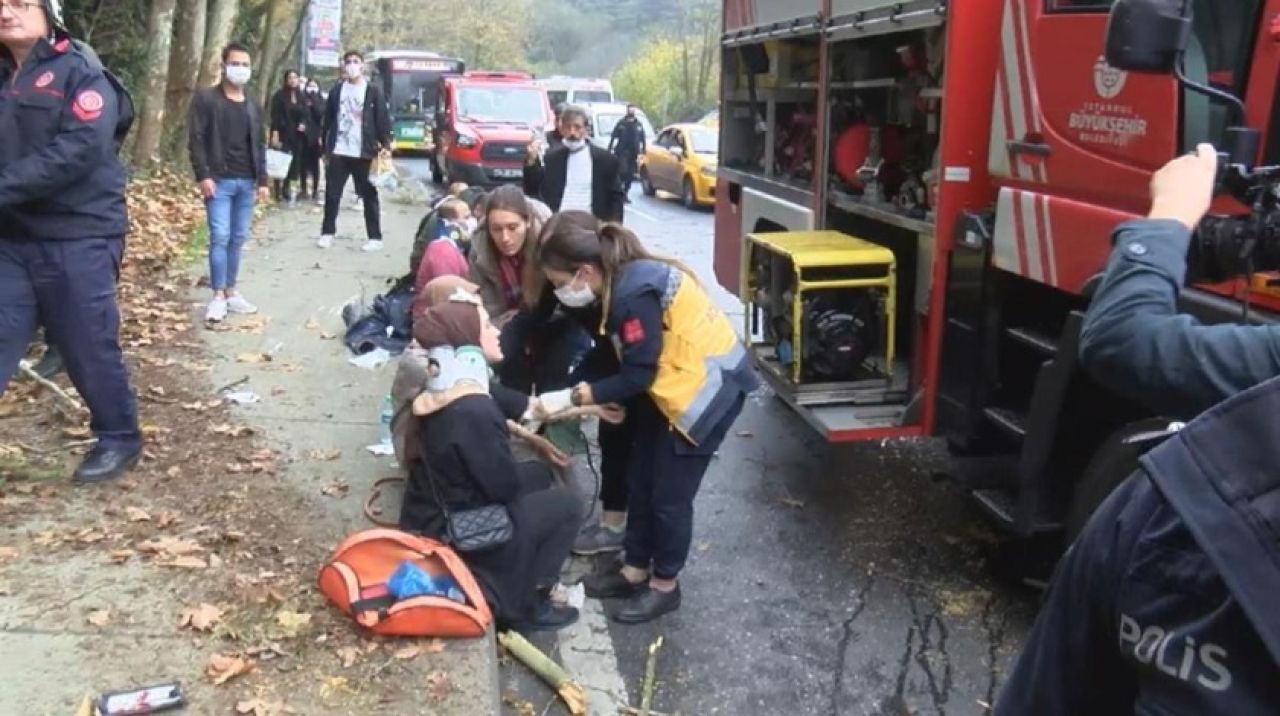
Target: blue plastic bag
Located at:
point(409, 580)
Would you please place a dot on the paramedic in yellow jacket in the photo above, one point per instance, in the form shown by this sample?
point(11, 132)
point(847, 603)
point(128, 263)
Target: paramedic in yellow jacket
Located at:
point(688, 375)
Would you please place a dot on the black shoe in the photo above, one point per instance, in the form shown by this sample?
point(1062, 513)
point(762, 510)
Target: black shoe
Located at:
point(626, 200)
point(549, 617)
point(610, 585)
point(103, 464)
point(648, 605)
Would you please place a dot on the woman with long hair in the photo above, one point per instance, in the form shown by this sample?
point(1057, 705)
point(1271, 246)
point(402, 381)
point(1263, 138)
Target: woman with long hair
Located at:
point(683, 374)
point(290, 120)
point(541, 347)
point(313, 146)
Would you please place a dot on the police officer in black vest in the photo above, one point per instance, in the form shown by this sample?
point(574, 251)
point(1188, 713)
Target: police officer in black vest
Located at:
point(1167, 601)
point(63, 219)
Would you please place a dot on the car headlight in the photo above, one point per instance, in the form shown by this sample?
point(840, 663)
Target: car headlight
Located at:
point(709, 172)
point(466, 141)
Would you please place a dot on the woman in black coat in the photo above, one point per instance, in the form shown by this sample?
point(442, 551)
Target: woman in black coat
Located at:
point(314, 144)
point(466, 463)
point(290, 124)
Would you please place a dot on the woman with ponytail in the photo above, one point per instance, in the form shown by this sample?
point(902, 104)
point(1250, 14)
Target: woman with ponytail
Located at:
point(683, 374)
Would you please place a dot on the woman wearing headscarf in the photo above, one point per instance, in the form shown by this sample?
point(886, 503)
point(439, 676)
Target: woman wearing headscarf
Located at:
point(467, 463)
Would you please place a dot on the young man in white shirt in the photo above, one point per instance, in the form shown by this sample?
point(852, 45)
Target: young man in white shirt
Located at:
point(357, 129)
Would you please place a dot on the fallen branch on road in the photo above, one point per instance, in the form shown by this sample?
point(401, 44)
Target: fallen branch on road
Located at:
point(29, 373)
point(573, 695)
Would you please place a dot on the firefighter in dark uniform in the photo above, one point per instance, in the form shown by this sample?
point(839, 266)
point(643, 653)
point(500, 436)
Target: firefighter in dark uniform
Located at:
point(63, 221)
point(1166, 602)
point(684, 376)
point(628, 144)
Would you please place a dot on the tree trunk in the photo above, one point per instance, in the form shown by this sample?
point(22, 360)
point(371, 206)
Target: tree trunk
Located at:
point(222, 21)
point(160, 34)
point(267, 53)
point(184, 60)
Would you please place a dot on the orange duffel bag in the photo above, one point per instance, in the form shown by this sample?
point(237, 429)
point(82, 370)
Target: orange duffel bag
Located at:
point(355, 580)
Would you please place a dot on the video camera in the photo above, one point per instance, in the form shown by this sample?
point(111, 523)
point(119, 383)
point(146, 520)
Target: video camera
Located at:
point(1151, 36)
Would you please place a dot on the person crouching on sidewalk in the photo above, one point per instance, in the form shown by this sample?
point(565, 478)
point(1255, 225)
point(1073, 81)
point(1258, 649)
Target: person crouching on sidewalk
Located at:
point(229, 156)
point(684, 376)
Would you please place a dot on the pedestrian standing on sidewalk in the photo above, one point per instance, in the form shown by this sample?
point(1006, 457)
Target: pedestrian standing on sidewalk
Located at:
point(314, 145)
point(627, 144)
point(290, 118)
point(684, 376)
point(357, 129)
point(63, 220)
point(229, 156)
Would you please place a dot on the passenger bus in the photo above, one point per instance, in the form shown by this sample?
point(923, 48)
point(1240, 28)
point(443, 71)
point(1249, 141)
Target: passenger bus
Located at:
point(410, 80)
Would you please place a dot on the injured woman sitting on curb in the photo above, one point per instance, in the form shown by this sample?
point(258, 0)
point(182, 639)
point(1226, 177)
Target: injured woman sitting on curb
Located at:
point(465, 463)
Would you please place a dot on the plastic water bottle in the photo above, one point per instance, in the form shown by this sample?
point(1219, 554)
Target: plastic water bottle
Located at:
point(384, 421)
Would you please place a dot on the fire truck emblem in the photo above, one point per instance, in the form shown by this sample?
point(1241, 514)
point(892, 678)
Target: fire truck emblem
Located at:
point(44, 80)
point(1107, 80)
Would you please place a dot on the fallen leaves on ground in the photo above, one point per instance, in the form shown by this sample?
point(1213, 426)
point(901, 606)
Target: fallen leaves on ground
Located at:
point(137, 514)
point(170, 546)
point(233, 431)
point(8, 554)
point(100, 617)
point(120, 556)
point(438, 685)
point(253, 357)
point(412, 651)
point(337, 489)
point(348, 655)
point(292, 622)
point(324, 455)
point(261, 707)
point(225, 667)
point(200, 618)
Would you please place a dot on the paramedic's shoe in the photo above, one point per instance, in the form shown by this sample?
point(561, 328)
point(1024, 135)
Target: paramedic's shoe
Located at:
point(106, 463)
point(610, 585)
point(548, 617)
point(325, 241)
point(372, 246)
point(238, 304)
point(217, 311)
point(598, 539)
point(648, 605)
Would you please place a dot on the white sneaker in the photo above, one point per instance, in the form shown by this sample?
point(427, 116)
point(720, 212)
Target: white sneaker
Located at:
point(217, 310)
point(238, 304)
point(325, 241)
point(372, 245)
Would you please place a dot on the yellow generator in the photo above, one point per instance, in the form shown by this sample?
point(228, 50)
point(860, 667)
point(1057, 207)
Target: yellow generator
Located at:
point(820, 311)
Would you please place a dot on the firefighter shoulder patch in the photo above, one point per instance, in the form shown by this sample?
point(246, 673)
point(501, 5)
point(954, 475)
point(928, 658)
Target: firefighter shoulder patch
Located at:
point(88, 106)
point(44, 80)
point(632, 331)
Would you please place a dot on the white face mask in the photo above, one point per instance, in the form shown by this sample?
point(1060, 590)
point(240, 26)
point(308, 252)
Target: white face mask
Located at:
point(575, 145)
point(575, 297)
point(354, 70)
point(238, 75)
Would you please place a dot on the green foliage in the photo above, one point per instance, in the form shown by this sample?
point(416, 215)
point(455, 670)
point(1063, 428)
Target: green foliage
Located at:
point(654, 79)
point(111, 28)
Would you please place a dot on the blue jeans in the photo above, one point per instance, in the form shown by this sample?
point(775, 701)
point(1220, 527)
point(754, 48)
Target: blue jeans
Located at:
point(230, 214)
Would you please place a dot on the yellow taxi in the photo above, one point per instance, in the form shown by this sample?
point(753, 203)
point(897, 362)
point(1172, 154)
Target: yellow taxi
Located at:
point(682, 160)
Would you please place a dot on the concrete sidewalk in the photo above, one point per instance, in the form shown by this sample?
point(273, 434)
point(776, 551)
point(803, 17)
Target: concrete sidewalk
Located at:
point(313, 402)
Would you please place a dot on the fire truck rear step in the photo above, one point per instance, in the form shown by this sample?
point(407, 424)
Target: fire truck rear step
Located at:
point(1031, 338)
point(1011, 422)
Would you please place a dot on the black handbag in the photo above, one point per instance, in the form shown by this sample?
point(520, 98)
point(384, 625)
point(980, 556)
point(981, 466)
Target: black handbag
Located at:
point(475, 530)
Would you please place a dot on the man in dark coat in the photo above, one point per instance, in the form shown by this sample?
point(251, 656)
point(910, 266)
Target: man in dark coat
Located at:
point(63, 221)
point(576, 175)
point(1166, 601)
point(628, 143)
point(357, 129)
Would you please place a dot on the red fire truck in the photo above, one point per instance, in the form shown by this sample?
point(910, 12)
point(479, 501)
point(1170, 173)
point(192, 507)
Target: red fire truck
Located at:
point(915, 199)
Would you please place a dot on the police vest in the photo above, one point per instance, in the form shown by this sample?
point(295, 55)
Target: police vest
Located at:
point(702, 368)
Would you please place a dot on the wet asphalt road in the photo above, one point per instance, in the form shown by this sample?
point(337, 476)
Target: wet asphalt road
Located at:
point(823, 580)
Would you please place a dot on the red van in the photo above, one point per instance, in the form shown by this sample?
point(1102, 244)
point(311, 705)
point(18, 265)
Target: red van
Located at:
point(486, 121)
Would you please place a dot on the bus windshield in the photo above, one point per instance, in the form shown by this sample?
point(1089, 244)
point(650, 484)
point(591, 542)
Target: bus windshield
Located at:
point(502, 104)
point(413, 93)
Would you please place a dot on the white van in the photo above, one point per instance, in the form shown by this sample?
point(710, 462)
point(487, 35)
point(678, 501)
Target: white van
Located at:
point(605, 116)
point(576, 90)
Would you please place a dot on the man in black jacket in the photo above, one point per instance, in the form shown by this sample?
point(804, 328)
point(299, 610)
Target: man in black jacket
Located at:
point(576, 175)
point(357, 128)
point(627, 144)
point(1166, 601)
point(63, 222)
point(229, 157)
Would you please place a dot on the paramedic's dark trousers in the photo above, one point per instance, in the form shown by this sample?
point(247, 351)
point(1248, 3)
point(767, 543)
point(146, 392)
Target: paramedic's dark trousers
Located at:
point(666, 471)
point(69, 288)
